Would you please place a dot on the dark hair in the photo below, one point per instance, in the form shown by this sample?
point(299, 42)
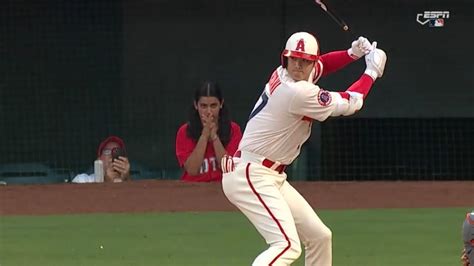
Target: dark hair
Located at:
point(209, 89)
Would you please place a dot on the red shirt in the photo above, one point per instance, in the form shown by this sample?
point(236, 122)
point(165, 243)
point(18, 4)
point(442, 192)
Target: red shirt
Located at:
point(209, 169)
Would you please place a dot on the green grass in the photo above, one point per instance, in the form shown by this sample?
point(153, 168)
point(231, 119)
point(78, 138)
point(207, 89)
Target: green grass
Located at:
point(360, 237)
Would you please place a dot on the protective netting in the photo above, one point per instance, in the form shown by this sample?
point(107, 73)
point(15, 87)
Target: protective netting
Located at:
point(74, 72)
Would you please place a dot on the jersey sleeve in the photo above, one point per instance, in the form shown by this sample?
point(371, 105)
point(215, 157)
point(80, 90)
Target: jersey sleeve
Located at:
point(312, 101)
point(184, 145)
point(236, 136)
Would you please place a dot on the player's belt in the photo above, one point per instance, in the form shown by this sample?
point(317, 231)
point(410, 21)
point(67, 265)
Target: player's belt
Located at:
point(276, 166)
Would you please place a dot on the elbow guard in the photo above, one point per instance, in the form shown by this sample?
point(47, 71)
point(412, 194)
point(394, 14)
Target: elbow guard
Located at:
point(356, 100)
point(349, 103)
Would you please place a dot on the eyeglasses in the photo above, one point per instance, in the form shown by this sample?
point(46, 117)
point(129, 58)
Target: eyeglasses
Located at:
point(116, 152)
point(106, 152)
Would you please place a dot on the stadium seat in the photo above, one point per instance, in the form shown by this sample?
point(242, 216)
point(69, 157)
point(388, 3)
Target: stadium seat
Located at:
point(31, 173)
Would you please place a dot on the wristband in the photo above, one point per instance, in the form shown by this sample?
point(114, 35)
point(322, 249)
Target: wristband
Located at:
point(351, 53)
point(372, 73)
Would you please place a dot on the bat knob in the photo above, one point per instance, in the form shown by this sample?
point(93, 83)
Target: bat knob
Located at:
point(374, 45)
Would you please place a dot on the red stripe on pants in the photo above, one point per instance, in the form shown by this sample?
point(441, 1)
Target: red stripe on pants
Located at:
point(269, 212)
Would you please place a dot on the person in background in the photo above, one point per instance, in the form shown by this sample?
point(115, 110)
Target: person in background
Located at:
point(116, 166)
point(207, 136)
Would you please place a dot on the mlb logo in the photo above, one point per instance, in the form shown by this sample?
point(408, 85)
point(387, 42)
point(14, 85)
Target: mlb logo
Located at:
point(439, 22)
point(434, 19)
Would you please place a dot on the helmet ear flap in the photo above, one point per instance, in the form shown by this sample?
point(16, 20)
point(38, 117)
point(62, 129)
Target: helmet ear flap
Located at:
point(284, 61)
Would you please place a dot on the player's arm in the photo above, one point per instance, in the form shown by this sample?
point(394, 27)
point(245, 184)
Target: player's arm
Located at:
point(334, 61)
point(319, 104)
point(352, 99)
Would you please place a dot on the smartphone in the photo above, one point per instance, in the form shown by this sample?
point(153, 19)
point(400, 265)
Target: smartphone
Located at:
point(116, 152)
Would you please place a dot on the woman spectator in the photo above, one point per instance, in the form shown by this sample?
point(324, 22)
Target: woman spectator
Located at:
point(207, 136)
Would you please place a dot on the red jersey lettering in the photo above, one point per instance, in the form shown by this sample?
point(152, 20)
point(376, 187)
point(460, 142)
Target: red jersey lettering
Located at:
point(274, 81)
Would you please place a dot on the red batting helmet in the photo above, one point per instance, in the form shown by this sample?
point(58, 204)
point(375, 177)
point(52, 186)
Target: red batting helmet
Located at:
point(302, 45)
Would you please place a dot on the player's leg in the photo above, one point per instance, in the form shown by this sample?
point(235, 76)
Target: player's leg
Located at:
point(314, 234)
point(254, 190)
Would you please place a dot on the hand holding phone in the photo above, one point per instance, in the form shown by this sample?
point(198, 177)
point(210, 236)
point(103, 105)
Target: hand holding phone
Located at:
point(116, 152)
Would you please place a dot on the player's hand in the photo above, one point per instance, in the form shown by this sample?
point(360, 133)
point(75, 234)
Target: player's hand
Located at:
point(227, 164)
point(122, 166)
point(375, 62)
point(360, 47)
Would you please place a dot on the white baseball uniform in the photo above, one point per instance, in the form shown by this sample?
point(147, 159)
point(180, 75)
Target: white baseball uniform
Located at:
point(279, 124)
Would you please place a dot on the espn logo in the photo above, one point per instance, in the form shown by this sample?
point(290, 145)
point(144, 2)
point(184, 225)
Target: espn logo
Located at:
point(433, 18)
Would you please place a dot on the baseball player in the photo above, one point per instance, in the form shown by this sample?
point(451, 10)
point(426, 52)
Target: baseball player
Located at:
point(467, 257)
point(254, 179)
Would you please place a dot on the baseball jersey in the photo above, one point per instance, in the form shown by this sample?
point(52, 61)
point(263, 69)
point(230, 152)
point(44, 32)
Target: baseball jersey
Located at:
point(281, 119)
point(210, 170)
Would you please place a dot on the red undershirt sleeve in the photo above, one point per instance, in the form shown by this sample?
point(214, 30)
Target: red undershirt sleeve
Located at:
point(334, 61)
point(362, 85)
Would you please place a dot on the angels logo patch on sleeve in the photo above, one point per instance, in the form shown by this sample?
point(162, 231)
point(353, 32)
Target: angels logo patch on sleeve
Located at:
point(324, 97)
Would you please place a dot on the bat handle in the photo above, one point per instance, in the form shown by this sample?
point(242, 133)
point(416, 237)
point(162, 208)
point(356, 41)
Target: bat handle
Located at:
point(374, 45)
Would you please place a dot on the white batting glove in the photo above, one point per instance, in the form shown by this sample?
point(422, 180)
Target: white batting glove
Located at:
point(375, 61)
point(227, 164)
point(359, 48)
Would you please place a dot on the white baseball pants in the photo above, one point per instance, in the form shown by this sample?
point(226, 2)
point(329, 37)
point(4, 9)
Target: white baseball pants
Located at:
point(279, 213)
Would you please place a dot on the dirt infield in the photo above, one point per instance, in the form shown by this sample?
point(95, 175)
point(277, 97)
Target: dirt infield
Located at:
point(159, 196)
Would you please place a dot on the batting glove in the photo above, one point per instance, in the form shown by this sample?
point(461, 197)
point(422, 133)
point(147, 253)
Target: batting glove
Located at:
point(227, 164)
point(359, 48)
point(375, 61)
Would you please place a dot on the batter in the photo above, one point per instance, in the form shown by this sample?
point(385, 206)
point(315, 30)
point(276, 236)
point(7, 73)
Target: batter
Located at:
point(254, 179)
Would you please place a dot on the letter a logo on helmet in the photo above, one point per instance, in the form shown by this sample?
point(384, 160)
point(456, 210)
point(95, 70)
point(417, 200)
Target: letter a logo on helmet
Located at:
point(301, 45)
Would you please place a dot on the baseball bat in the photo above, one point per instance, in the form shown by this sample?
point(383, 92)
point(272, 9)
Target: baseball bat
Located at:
point(333, 15)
